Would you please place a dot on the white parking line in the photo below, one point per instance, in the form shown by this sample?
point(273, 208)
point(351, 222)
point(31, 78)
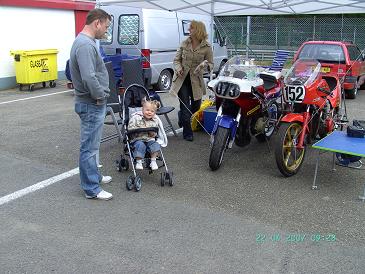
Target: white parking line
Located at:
point(40, 185)
point(34, 97)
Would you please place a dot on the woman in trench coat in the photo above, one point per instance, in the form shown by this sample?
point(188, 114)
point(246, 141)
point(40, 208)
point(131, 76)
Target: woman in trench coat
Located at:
point(192, 58)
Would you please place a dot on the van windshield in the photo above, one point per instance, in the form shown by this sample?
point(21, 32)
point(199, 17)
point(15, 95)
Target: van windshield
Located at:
point(324, 53)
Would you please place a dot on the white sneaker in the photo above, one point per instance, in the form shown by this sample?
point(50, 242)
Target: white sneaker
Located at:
point(102, 195)
point(154, 165)
point(99, 165)
point(106, 179)
point(139, 165)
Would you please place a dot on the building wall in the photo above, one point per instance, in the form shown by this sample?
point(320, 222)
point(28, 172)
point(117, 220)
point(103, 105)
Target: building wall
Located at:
point(29, 28)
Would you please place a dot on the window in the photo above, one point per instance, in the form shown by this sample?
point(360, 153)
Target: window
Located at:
point(128, 30)
point(185, 27)
point(354, 53)
point(109, 36)
point(323, 53)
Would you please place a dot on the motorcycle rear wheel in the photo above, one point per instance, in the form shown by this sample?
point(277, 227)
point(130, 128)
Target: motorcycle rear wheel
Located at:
point(219, 146)
point(288, 158)
point(243, 137)
point(270, 125)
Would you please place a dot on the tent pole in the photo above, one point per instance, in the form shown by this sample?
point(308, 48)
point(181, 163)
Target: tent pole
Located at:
point(212, 22)
point(248, 35)
point(212, 33)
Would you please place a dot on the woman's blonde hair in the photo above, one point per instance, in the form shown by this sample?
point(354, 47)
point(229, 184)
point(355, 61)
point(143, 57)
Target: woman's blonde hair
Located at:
point(200, 30)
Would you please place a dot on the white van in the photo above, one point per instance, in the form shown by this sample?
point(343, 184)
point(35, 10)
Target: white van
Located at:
point(156, 35)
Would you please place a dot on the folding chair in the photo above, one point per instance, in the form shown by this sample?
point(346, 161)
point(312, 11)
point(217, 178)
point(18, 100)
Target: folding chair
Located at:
point(113, 106)
point(279, 60)
point(132, 74)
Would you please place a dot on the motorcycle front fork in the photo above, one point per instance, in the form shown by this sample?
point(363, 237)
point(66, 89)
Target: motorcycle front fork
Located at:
point(306, 116)
point(233, 130)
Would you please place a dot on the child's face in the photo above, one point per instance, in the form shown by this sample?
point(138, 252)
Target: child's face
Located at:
point(148, 111)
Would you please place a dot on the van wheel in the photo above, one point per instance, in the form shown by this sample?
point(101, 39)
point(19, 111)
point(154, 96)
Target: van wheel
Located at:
point(165, 80)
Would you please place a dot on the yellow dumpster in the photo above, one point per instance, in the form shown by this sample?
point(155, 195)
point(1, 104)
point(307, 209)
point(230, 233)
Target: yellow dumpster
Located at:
point(35, 66)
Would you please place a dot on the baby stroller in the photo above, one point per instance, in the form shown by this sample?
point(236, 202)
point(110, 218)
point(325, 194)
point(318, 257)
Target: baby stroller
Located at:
point(132, 102)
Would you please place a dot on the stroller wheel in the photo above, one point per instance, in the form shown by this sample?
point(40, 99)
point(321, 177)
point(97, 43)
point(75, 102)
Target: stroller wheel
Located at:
point(163, 178)
point(130, 182)
point(168, 179)
point(137, 183)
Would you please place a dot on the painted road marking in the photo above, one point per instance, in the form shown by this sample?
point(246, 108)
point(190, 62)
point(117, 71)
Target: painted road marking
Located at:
point(38, 186)
point(34, 97)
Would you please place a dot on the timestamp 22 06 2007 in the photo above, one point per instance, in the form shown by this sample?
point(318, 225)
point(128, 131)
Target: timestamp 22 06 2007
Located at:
point(295, 238)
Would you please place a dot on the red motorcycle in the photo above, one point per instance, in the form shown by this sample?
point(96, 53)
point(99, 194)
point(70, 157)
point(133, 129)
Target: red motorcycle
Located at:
point(313, 100)
point(247, 100)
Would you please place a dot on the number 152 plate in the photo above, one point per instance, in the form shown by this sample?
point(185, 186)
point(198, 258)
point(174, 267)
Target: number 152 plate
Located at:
point(294, 94)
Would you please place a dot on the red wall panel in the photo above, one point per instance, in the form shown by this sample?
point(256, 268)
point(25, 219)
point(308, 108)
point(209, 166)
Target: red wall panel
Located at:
point(50, 4)
point(80, 19)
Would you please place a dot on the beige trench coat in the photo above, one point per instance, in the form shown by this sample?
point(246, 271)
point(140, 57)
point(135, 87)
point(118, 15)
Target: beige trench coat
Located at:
point(188, 59)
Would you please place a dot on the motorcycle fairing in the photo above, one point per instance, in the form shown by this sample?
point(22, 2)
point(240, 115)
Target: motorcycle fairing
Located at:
point(226, 121)
point(244, 85)
point(293, 117)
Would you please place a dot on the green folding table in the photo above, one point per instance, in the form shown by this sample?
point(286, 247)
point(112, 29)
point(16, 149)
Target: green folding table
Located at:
point(338, 141)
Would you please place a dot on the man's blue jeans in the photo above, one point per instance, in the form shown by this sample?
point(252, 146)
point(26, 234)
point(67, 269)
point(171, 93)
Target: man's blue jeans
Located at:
point(92, 122)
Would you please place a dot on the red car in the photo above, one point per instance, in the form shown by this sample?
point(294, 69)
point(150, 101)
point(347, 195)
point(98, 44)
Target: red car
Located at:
point(343, 59)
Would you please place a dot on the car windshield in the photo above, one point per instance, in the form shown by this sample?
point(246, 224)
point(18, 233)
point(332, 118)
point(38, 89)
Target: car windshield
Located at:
point(302, 72)
point(324, 53)
point(240, 67)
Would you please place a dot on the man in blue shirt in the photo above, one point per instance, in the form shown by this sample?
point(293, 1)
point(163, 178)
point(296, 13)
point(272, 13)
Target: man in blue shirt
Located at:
point(91, 82)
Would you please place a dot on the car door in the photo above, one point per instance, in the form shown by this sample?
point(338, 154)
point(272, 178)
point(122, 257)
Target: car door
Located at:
point(356, 60)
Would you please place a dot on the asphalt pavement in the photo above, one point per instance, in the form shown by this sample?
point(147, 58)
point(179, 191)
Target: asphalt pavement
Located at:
point(243, 218)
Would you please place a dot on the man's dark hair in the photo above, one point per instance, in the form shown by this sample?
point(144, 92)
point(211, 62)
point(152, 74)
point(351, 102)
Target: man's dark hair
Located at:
point(97, 14)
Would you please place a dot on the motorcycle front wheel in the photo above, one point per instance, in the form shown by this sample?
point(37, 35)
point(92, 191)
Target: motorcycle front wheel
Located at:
point(288, 157)
point(220, 144)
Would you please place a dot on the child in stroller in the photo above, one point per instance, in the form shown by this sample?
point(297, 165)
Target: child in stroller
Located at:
point(144, 135)
point(145, 140)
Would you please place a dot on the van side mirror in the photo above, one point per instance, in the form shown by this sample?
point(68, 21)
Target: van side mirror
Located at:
point(223, 42)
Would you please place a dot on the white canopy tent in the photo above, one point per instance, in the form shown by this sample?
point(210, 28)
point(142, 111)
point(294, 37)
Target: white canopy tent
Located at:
point(247, 7)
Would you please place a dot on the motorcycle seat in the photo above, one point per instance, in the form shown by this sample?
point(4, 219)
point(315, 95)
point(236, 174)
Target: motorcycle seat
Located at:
point(269, 81)
point(331, 81)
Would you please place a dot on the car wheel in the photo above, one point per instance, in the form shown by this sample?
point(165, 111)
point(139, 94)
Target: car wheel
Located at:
point(165, 80)
point(351, 93)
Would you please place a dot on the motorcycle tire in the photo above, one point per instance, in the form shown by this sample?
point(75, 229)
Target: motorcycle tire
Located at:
point(284, 148)
point(261, 138)
point(219, 146)
point(243, 137)
point(351, 93)
point(269, 131)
